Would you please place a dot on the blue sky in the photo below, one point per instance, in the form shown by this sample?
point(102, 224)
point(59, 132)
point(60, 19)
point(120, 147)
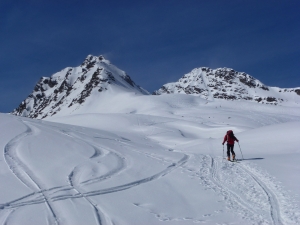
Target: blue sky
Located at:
point(154, 42)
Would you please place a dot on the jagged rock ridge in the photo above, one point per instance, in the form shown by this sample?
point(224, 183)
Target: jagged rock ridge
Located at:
point(71, 87)
point(226, 83)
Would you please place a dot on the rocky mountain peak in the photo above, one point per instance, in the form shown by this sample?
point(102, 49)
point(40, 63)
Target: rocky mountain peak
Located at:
point(75, 88)
point(225, 83)
point(71, 88)
point(91, 60)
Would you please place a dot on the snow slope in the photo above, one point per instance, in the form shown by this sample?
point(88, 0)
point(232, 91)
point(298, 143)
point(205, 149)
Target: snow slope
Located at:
point(94, 84)
point(226, 83)
point(142, 159)
point(68, 90)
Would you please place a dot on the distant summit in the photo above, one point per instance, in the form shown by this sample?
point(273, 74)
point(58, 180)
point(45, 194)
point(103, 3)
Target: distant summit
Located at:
point(71, 88)
point(85, 88)
point(225, 83)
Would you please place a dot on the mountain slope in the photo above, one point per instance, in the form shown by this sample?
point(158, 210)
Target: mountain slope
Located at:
point(161, 165)
point(225, 83)
point(83, 89)
point(70, 88)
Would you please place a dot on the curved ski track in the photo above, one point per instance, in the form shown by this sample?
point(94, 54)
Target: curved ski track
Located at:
point(22, 172)
point(47, 196)
point(246, 191)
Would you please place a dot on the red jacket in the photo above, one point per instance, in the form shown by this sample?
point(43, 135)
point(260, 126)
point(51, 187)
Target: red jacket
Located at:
point(230, 140)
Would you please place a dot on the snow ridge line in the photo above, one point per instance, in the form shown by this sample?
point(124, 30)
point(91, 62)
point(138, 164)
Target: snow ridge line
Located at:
point(20, 170)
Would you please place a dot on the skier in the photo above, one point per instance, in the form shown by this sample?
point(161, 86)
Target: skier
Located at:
point(230, 138)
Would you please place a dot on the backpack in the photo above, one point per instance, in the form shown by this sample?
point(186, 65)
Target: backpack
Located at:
point(230, 136)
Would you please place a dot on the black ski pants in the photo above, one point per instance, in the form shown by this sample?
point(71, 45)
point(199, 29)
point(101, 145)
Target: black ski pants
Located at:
point(230, 149)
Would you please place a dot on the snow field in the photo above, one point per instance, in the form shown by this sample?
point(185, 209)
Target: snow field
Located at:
point(152, 160)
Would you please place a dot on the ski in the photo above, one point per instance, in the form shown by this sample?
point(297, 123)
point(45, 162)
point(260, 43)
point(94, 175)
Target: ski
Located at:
point(235, 161)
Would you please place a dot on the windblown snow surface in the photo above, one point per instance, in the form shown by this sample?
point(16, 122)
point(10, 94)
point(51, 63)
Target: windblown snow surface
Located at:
point(152, 160)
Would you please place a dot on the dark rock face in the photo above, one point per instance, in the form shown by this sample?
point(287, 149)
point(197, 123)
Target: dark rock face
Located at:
point(222, 83)
point(94, 83)
point(71, 87)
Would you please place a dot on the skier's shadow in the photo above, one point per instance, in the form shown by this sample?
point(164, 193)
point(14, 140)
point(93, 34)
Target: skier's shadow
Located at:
point(250, 159)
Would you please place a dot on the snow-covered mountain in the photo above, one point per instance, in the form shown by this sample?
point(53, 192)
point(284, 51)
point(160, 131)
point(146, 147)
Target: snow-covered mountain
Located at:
point(109, 153)
point(225, 83)
point(156, 160)
point(75, 87)
point(83, 89)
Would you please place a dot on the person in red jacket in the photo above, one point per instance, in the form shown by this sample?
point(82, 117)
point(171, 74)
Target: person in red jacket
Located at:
point(230, 138)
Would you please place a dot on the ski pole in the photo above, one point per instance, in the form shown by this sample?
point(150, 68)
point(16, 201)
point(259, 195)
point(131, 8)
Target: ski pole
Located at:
point(223, 153)
point(241, 151)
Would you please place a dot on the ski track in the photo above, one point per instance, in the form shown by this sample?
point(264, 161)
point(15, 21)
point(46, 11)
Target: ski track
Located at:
point(110, 190)
point(40, 196)
point(97, 153)
point(234, 201)
point(121, 165)
point(129, 185)
point(212, 179)
point(246, 190)
point(22, 172)
point(274, 208)
point(98, 214)
point(7, 216)
point(282, 208)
